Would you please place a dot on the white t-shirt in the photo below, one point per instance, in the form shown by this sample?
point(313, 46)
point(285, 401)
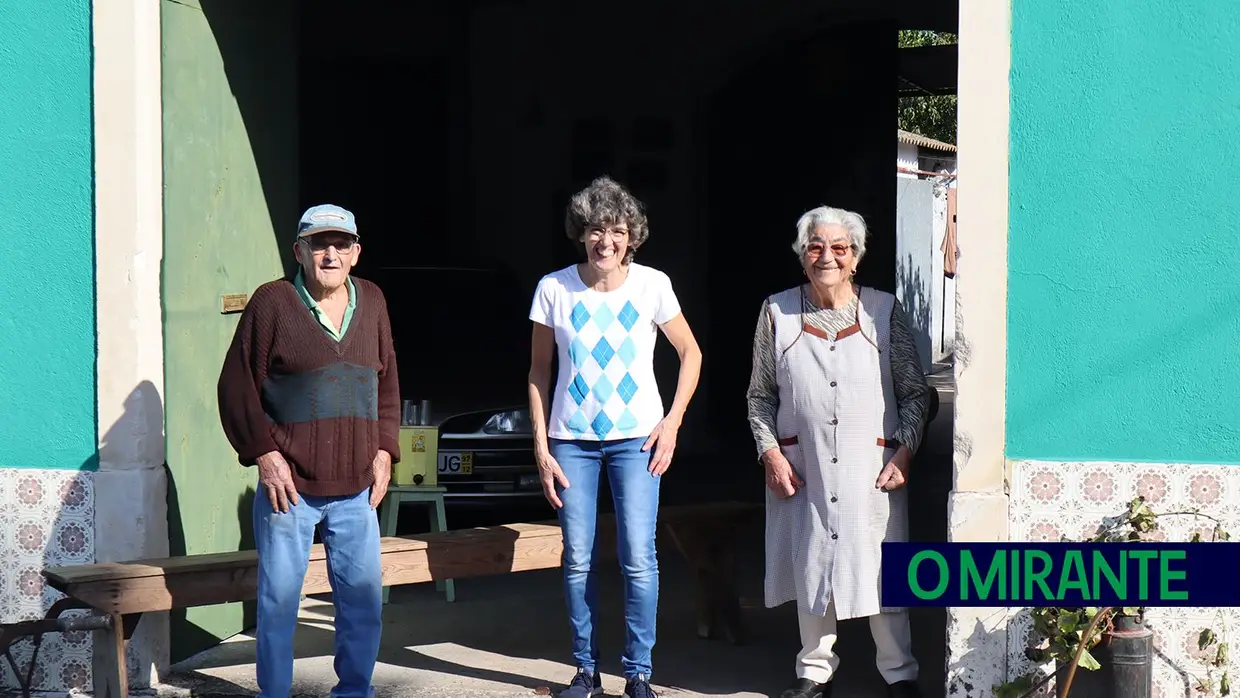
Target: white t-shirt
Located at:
point(606, 388)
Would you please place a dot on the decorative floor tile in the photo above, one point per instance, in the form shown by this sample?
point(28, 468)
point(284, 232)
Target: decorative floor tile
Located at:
point(47, 517)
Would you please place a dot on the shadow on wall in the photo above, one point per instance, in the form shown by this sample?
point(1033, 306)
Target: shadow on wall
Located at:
point(245, 516)
point(916, 303)
point(257, 43)
point(142, 421)
point(127, 523)
point(189, 632)
point(135, 505)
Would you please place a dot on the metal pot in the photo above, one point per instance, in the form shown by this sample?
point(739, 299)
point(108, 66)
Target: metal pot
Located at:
point(1126, 653)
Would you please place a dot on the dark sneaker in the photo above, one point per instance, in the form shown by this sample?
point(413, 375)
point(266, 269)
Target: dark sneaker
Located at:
point(903, 689)
point(804, 688)
point(638, 687)
point(586, 684)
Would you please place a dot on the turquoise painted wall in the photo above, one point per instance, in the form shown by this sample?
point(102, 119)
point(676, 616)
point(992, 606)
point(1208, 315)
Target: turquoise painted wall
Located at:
point(47, 327)
point(1124, 250)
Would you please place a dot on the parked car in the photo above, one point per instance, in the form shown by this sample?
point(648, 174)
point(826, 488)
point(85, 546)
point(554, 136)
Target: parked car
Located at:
point(462, 335)
point(488, 455)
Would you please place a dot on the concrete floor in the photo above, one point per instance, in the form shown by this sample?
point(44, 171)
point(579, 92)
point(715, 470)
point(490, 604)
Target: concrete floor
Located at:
point(507, 636)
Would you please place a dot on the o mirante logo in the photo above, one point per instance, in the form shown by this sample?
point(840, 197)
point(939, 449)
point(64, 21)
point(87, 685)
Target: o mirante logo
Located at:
point(1061, 574)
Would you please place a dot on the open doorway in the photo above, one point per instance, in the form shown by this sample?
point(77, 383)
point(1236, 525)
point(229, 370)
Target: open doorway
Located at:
point(457, 132)
point(456, 135)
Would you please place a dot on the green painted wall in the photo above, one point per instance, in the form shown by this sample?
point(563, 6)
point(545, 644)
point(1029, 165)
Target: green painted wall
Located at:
point(230, 165)
point(47, 356)
point(1122, 288)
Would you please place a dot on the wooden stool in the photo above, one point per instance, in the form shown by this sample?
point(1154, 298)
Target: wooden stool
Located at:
point(389, 512)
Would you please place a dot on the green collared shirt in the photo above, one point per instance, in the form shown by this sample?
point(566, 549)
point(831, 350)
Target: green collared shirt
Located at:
point(321, 315)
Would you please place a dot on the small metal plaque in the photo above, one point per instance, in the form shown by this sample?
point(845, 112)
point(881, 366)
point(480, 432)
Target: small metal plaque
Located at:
point(233, 302)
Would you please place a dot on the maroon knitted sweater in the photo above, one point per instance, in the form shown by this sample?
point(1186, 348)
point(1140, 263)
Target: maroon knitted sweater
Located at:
point(326, 406)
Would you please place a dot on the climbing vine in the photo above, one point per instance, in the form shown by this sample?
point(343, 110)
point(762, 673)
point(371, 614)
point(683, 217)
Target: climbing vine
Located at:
point(1067, 636)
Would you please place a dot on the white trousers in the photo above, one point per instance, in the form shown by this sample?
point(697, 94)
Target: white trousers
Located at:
point(892, 642)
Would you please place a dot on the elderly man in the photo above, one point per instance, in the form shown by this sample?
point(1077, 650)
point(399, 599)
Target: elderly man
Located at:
point(309, 393)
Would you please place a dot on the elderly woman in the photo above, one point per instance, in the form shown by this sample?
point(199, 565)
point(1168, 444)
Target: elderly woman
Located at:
point(837, 403)
point(606, 416)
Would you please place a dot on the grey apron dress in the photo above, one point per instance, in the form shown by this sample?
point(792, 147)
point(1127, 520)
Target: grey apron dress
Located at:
point(836, 424)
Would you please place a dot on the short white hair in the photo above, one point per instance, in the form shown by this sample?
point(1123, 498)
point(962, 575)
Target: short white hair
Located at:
point(825, 215)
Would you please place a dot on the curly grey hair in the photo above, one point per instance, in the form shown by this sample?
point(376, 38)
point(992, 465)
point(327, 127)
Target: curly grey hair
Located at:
point(606, 202)
point(825, 215)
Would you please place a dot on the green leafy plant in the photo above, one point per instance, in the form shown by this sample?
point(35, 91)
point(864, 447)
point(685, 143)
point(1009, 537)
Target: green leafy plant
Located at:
point(1067, 636)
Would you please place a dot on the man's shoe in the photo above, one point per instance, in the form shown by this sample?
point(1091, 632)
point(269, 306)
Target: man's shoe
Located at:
point(586, 684)
point(903, 689)
point(804, 688)
point(638, 687)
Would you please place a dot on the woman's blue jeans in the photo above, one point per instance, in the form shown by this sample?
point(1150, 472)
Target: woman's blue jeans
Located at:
point(635, 493)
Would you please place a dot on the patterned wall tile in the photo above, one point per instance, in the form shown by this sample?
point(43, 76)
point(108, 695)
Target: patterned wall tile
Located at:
point(1073, 499)
point(1020, 633)
point(47, 517)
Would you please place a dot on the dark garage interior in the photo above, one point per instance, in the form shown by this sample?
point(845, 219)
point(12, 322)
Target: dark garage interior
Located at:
point(456, 132)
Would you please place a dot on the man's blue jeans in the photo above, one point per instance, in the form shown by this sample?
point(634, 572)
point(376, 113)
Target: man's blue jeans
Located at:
point(635, 493)
point(349, 530)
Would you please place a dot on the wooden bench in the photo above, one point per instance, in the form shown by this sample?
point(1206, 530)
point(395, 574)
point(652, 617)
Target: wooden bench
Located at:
point(119, 593)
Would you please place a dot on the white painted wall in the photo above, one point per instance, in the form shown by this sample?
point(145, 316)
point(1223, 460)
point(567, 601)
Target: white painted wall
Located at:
point(915, 279)
point(977, 638)
point(131, 515)
point(906, 159)
point(928, 297)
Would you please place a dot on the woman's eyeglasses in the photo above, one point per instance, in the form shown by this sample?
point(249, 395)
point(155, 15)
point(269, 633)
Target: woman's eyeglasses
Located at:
point(815, 249)
point(596, 233)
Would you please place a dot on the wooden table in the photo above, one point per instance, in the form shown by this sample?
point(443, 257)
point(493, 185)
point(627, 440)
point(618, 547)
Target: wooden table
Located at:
point(389, 514)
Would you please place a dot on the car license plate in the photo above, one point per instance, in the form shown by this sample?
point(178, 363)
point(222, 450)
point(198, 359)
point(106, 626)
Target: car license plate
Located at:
point(456, 463)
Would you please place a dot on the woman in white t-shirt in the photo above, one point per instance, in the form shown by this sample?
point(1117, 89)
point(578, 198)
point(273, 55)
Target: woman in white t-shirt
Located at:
point(605, 415)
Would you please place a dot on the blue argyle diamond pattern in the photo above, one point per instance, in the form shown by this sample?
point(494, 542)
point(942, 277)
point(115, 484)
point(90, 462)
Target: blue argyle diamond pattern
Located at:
point(627, 422)
point(603, 317)
point(602, 389)
point(601, 425)
point(603, 397)
point(577, 352)
point(627, 352)
point(603, 352)
point(627, 388)
point(578, 389)
point(628, 316)
point(577, 424)
point(579, 317)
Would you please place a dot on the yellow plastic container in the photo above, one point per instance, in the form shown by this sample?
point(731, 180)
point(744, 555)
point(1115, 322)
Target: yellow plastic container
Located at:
point(419, 455)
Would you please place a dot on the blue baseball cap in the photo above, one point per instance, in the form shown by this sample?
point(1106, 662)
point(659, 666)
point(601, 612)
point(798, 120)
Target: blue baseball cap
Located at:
point(324, 218)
